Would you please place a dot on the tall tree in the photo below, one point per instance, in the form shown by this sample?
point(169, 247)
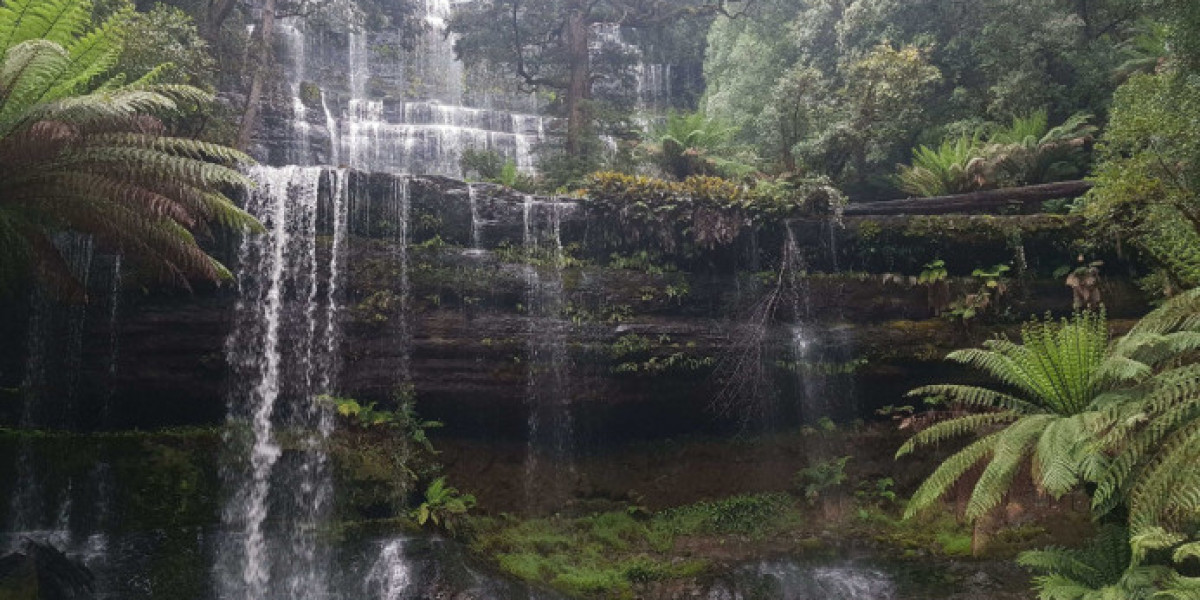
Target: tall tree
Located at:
point(549, 45)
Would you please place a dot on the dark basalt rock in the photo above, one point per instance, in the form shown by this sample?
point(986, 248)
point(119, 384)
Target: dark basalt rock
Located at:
point(466, 331)
point(39, 571)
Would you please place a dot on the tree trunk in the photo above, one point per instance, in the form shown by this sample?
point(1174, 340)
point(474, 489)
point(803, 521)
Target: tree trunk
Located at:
point(974, 202)
point(579, 79)
point(218, 11)
point(260, 49)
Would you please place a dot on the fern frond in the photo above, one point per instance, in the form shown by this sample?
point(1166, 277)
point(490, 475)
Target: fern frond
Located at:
point(954, 428)
point(1061, 454)
point(949, 472)
point(968, 395)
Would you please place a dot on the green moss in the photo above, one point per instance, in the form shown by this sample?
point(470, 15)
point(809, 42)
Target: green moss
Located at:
point(600, 555)
point(310, 94)
point(753, 515)
point(941, 533)
point(954, 543)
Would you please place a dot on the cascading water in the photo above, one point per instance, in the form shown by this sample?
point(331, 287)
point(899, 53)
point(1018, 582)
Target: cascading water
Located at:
point(548, 397)
point(283, 349)
point(51, 371)
point(821, 356)
point(652, 91)
point(476, 223)
point(785, 580)
point(390, 577)
point(398, 209)
point(391, 114)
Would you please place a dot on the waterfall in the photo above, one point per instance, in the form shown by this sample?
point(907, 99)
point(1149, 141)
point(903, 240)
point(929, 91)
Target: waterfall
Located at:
point(476, 225)
point(652, 81)
point(414, 114)
point(53, 359)
point(786, 580)
point(398, 209)
point(283, 350)
point(390, 576)
point(548, 397)
point(820, 355)
point(114, 302)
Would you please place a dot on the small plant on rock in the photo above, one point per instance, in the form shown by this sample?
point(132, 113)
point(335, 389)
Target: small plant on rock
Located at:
point(443, 505)
point(821, 476)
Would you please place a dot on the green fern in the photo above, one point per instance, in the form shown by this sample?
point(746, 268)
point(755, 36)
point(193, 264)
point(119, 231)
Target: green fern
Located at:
point(1100, 570)
point(1049, 400)
point(956, 166)
point(81, 149)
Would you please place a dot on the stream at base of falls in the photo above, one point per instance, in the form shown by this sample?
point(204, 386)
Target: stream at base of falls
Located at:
point(173, 564)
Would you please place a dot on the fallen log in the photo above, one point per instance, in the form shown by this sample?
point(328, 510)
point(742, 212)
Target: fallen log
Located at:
point(985, 201)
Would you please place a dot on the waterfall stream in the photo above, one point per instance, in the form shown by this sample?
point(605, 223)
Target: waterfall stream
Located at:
point(548, 395)
point(413, 113)
point(284, 351)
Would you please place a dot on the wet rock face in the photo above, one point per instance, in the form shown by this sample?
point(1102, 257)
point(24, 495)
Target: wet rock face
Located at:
point(41, 572)
point(642, 343)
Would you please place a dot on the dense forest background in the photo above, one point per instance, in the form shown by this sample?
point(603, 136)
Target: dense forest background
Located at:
point(1074, 121)
point(880, 98)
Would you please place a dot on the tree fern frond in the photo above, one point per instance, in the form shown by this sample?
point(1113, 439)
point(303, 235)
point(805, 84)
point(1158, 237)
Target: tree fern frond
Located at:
point(1060, 455)
point(77, 153)
point(1015, 443)
point(954, 428)
point(968, 395)
point(1152, 538)
point(949, 472)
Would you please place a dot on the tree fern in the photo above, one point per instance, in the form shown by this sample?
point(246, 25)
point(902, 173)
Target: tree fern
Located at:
point(1100, 570)
point(954, 167)
point(82, 149)
point(1044, 412)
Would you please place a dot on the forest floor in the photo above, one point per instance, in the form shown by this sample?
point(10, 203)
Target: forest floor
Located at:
point(663, 520)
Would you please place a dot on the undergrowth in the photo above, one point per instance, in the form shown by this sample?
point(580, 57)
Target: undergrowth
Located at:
point(608, 554)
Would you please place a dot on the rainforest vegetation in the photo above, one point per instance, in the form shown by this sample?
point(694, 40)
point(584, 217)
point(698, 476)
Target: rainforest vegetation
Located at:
point(675, 286)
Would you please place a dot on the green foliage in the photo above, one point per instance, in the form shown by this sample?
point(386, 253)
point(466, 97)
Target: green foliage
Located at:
point(601, 555)
point(642, 260)
point(1026, 152)
point(753, 515)
point(403, 419)
point(166, 40)
point(1047, 398)
point(444, 506)
point(937, 533)
point(821, 476)
point(934, 272)
point(691, 144)
point(954, 167)
point(847, 89)
point(1148, 177)
point(542, 255)
point(85, 149)
point(639, 354)
point(379, 454)
point(703, 212)
point(1097, 571)
point(878, 492)
point(993, 286)
point(481, 164)
point(493, 167)
point(1123, 416)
